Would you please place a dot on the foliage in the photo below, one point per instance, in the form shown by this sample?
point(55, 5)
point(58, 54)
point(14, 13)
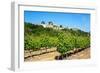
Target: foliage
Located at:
point(36, 37)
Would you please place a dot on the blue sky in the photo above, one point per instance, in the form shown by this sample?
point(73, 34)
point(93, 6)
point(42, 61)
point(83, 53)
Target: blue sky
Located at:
point(71, 20)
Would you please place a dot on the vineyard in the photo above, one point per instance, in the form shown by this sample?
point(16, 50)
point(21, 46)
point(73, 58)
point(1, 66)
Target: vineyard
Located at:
point(39, 40)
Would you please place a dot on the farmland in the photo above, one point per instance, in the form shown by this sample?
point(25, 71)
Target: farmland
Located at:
point(57, 44)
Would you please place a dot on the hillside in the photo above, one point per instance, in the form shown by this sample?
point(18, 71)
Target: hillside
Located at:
point(37, 37)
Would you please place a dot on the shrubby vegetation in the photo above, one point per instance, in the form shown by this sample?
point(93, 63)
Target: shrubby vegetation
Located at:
point(37, 37)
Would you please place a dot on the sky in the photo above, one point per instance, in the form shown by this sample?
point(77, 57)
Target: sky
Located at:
point(70, 20)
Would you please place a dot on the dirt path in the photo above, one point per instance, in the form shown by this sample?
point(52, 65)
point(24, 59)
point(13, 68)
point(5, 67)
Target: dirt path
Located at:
point(43, 57)
point(85, 54)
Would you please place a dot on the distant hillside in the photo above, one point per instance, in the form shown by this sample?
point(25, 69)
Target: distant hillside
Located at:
point(34, 29)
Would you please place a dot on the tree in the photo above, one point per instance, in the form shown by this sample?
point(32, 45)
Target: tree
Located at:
point(50, 23)
point(42, 22)
point(60, 26)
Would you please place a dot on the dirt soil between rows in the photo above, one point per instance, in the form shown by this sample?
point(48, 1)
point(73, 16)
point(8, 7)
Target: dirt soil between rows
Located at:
point(84, 54)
